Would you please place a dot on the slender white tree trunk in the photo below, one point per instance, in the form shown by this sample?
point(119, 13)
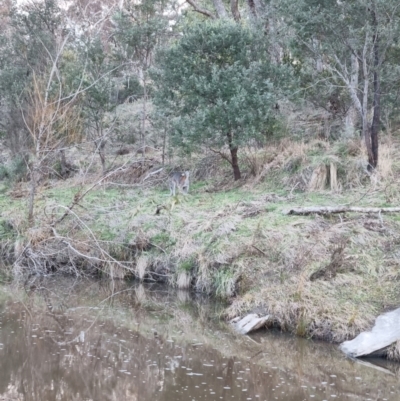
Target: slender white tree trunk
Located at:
point(144, 116)
point(351, 116)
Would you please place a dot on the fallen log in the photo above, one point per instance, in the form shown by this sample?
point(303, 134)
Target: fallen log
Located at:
point(339, 209)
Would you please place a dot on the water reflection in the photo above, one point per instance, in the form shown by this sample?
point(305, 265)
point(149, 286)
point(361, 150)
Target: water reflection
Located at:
point(69, 340)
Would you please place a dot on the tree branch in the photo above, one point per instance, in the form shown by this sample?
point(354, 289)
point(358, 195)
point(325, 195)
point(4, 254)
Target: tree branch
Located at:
point(222, 154)
point(201, 10)
point(339, 209)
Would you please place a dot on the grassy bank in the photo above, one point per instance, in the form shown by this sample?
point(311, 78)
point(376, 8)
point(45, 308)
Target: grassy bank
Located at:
point(320, 277)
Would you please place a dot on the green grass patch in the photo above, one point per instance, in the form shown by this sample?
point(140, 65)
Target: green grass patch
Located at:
point(163, 240)
point(224, 281)
point(187, 265)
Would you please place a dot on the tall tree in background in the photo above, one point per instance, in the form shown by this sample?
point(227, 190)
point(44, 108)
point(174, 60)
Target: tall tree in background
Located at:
point(99, 99)
point(139, 28)
point(349, 42)
point(30, 82)
point(218, 87)
point(26, 48)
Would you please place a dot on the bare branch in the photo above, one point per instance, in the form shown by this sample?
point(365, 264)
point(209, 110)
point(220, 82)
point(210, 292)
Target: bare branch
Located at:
point(79, 196)
point(200, 10)
point(339, 209)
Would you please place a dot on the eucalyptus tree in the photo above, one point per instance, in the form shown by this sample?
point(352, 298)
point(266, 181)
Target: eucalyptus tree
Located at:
point(41, 80)
point(26, 43)
point(99, 99)
point(30, 82)
point(349, 42)
point(218, 87)
point(138, 28)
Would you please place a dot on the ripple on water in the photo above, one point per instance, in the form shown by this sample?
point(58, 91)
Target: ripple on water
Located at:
point(160, 350)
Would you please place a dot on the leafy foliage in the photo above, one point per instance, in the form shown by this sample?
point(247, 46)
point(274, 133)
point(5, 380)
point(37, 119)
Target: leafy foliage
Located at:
point(217, 86)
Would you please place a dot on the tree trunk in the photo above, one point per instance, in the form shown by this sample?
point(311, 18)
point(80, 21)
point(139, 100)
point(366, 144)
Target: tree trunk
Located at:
point(366, 129)
point(252, 7)
point(144, 115)
point(164, 146)
point(377, 94)
point(319, 63)
point(32, 191)
point(63, 164)
point(234, 158)
point(100, 145)
point(375, 122)
point(220, 9)
point(235, 10)
point(102, 155)
point(351, 115)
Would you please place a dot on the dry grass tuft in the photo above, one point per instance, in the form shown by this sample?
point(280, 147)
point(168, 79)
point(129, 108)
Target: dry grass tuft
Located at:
point(116, 271)
point(142, 265)
point(208, 167)
point(329, 271)
point(183, 280)
point(141, 241)
point(256, 159)
point(393, 352)
point(225, 228)
point(186, 248)
point(318, 178)
point(20, 190)
point(37, 235)
point(203, 278)
point(385, 164)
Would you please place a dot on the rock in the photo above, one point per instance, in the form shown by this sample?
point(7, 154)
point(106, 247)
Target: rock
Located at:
point(385, 332)
point(249, 323)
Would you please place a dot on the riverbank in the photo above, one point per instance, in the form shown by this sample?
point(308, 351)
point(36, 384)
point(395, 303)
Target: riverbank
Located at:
point(323, 277)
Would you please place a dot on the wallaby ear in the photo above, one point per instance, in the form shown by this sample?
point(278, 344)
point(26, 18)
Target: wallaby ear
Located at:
point(187, 173)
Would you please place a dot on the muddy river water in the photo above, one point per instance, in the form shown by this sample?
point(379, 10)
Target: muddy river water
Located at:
point(82, 340)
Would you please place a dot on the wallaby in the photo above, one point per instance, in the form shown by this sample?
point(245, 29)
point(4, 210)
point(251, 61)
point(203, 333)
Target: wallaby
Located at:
point(180, 181)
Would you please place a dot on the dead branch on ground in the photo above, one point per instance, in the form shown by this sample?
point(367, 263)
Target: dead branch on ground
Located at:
point(339, 209)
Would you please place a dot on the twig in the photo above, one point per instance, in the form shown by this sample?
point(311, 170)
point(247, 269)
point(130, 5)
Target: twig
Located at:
point(154, 172)
point(223, 155)
point(78, 198)
point(259, 250)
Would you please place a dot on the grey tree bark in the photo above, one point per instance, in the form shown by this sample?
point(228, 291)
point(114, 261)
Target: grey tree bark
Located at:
point(220, 9)
point(351, 115)
point(235, 10)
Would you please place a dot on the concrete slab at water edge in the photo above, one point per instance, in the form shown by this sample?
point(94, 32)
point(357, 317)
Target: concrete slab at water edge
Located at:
point(249, 323)
point(385, 332)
